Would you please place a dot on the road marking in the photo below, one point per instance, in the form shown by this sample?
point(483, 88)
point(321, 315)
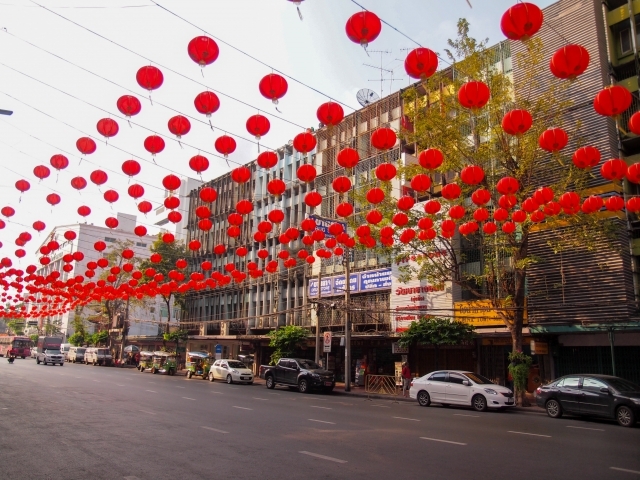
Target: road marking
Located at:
point(532, 434)
point(118, 385)
point(243, 408)
point(97, 381)
point(179, 387)
point(443, 441)
point(464, 415)
point(383, 406)
point(625, 470)
point(188, 398)
point(323, 457)
point(214, 429)
point(152, 391)
point(144, 411)
point(404, 418)
point(233, 388)
point(5, 408)
point(272, 393)
point(219, 393)
point(151, 382)
point(258, 398)
point(342, 403)
point(321, 421)
point(77, 377)
point(324, 408)
point(131, 478)
point(585, 428)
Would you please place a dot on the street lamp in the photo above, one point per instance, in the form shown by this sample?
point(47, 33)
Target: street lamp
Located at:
point(6, 112)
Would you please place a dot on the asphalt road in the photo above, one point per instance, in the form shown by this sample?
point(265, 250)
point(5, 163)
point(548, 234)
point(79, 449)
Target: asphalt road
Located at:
point(85, 422)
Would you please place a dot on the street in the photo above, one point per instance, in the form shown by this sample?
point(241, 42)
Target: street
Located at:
point(80, 422)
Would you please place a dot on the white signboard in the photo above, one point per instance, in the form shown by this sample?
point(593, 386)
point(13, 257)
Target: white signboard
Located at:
point(326, 342)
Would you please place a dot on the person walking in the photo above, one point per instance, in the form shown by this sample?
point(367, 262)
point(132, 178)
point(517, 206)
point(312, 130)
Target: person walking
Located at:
point(406, 379)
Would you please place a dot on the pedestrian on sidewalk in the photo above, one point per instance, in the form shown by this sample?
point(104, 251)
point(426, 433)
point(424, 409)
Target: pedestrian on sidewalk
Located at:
point(406, 379)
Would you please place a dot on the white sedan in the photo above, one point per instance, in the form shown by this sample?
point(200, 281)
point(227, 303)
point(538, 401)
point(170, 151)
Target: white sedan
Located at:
point(231, 371)
point(457, 387)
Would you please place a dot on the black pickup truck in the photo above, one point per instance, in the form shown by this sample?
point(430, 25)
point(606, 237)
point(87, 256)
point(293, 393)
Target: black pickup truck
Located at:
point(298, 372)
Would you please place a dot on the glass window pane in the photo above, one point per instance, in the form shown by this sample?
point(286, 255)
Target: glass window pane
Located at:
point(455, 378)
point(438, 377)
point(593, 383)
point(571, 382)
point(625, 41)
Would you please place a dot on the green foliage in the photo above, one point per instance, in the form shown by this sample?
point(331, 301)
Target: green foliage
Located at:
point(51, 329)
point(16, 326)
point(176, 336)
point(98, 338)
point(519, 369)
point(77, 339)
point(436, 331)
point(34, 338)
point(285, 340)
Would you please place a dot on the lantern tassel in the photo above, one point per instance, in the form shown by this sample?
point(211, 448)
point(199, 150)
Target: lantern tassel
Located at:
point(150, 100)
point(277, 110)
point(153, 158)
point(299, 13)
point(211, 125)
point(202, 71)
point(129, 122)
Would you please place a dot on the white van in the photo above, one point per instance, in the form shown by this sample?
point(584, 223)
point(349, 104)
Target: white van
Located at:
point(76, 354)
point(64, 350)
point(98, 356)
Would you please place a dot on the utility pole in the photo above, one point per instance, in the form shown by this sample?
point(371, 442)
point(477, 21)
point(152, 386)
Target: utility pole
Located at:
point(347, 321)
point(318, 314)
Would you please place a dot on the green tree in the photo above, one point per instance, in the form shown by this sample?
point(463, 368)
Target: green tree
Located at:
point(519, 367)
point(98, 338)
point(51, 329)
point(34, 338)
point(77, 339)
point(436, 331)
point(176, 336)
point(16, 326)
point(285, 341)
point(170, 253)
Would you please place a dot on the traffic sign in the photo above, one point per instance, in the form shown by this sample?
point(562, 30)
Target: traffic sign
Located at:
point(326, 342)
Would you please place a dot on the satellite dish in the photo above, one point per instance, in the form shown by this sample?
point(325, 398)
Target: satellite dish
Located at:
point(367, 97)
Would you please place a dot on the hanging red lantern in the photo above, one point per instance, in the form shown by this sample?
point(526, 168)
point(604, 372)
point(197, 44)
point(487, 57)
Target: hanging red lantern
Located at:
point(508, 227)
point(86, 145)
point(98, 177)
point(244, 207)
point(400, 219)
point(131, 168)
point(614, 169)
point(432, 207)
point(273, 87)
point(517, 122)
point(135, 191)
point(481, 214)
point(481, 197)
point(507, 201)
point(451, 191)
point(529, 205)
point(84, 211)
point(171, 182)
point(171, 202)
point(425, 223)
point(330, 114)
point(198, 163)
point(41, 172)
point(140, 230)
point(363, 27)
point(179, 125)
point(344, 209)
point(276, 216)
point(304, 142)
point(111, 196)
point(207, 103)
point(203, 50)
point(234, 219)
point(53, 199)
point(312, 199)
point(233, 231)
point(457, 212)
point(306, 173)
point(406, 203)
point(385, 172)
point(612, 101)
point(276, 187)
point(154, 144)
point(241, 175)
point(174, 216)
point(553, 139)
point(258, 126)
point(375, 195)
point(78, 183)
point(431, 158)
point(341, 184)
point(569, 200)
point(383, 139)
point(421, 63)
point(472, 175)
point(8, 211)
point(108, 127)
point(267, 160)
point(205, 224)
point(421, 183)
point(551, 209)
point(569, 61)
point(149, 77)
point(586, 157)
point(521, 21)
point(225, 145)
point(348, 158)
point(59, 162)
point(474, 95)
point(592, 204)
point(500, 214)
point(145, 207)
point(519, 216)
point(208, 195)
point(39, 226)
point(633, 205)
point(543, 195)
point(129, 105)
point(111, 222)
point(22, 185)
point(633, 173)
point(265, 227)
point(508, 185)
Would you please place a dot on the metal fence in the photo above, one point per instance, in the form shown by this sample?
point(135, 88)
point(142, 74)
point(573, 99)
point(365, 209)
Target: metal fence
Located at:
point(381, 385)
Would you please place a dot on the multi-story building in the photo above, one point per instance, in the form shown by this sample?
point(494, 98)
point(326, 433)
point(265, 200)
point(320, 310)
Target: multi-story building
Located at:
point(179, 229)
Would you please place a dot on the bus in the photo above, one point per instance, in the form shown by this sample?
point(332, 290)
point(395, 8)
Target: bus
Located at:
point(18, 346)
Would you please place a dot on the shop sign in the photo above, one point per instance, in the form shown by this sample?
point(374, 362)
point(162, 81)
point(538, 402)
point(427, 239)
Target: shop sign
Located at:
point(539, 348)
point(375, 280)
point(479, 313)
point(326, 287)
point(371, 280)
point(339, 284)
point(324, 224)
point(397, 348)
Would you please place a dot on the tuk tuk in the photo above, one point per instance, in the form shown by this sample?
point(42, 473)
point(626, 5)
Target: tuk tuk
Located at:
point(198, 364)
point(146, 361)
point(164, 362)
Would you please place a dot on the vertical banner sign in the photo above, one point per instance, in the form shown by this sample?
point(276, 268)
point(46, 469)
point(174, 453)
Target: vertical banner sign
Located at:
point(326, 342)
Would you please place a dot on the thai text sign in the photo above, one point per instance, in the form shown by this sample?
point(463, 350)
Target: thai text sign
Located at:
point(371, 280)
point(479, 313)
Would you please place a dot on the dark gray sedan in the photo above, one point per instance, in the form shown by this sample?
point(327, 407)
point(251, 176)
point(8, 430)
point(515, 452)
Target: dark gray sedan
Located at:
point(592, 395)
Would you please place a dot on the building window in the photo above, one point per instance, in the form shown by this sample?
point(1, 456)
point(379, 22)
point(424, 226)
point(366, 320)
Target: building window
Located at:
point(109, 239)
point(139, 244)
point(625, 41)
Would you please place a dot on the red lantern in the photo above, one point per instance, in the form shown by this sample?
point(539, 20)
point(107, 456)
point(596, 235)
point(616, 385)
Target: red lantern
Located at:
point(612, 101)
point(569, 61)
point(400, 219)
point(500, 214)
point(313, 199)
point(41, 171)
point(140, 230)
point(431, 158)
point(130, 168)
point(421, 63)
point(508, 227)
point(98, 177)
point(129, 105)
point(265, 227)
point(633, 173)
point(59, 162)
point(348, 158)
point(225, 145)
point(306, 173)
point(244, 207)
point(330, 114)
point(586, 157)
point(341, 184)
point(22, 185)
point(375, 195)
point(149, 77)
point(107, 127)
point(84, 211)
point(203, 50)
point(174, 217)
point(406, 203)
point(614, 169)
point(474, 95)
point(78, 183)
point(517, 122)
point(273, 87)
point(208, 195)
point(363, 27)
point(39, 226)
point(258, 126)
point(529, 205)
point(543, 195)
point(521, 21)
point(633, 205)
point(234, 219)
point(111, 222)
point(508, 185)
point(179, 125)
point(171, 202)
point(481, 197)
point(344, 209)
point(276, 187)
point(569, 200)
point(432, 207)
point(276, 216)
point(267, 160)
point(145, 207)
point(592, 204)
point(199, 163)
point(205, 224)
point(481, 214)
point(240, 174)
point(383, 139)
point(472, 175)
point(86, 145)
point(135, 191)
point(507, 201)
point(385, 172)
point(53, 199)
point(553, 139)
point(457, 212)
point(8, 212)
point(207, 103)
point(451, 191)
point(421, 183)
point(171, 182)
point(519, 216)
point(154, 144)
point(304, 142)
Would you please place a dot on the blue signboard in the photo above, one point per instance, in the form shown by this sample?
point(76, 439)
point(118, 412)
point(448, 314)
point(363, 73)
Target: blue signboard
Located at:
point(339, 285)
point(375, 280)
point(219, 348)
point(326, 287)
point(370, 280)
point(323, 224)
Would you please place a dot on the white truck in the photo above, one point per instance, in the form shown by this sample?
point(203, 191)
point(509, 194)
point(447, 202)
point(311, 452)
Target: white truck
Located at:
point(49, 351)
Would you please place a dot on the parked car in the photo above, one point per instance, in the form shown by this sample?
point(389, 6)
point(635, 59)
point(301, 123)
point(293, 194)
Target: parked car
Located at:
point(51, 356)
point(592, 395)
point(76, 354)
point(231, 371)
point(64, 349)
point(459, 387)
point(98, 356)
point(298, 372)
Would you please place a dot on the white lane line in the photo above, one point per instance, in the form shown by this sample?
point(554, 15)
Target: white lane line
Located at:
point(233, 388)
point(324, 408)
point(214, 429)
point(258, 398)
point(220, 393)
point(5, 408)
point(144, 411)
point(585, 428)
point(131, 478)
point(342, 403)
point(188, 398)
point(179, 387)
point(404, 418)
point(382, 406)
point(637, 472)
point(532, 434)
point(463, 415)
point(152, 391)
point(321, 421)
point(118, 385)
point(323, 457)
point(97, 381)
point(243, 408)
point(443, 441)
point(272, 393)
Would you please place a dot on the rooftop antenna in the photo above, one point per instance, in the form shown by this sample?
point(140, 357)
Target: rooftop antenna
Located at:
point(382, 70)
point(366, 97)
